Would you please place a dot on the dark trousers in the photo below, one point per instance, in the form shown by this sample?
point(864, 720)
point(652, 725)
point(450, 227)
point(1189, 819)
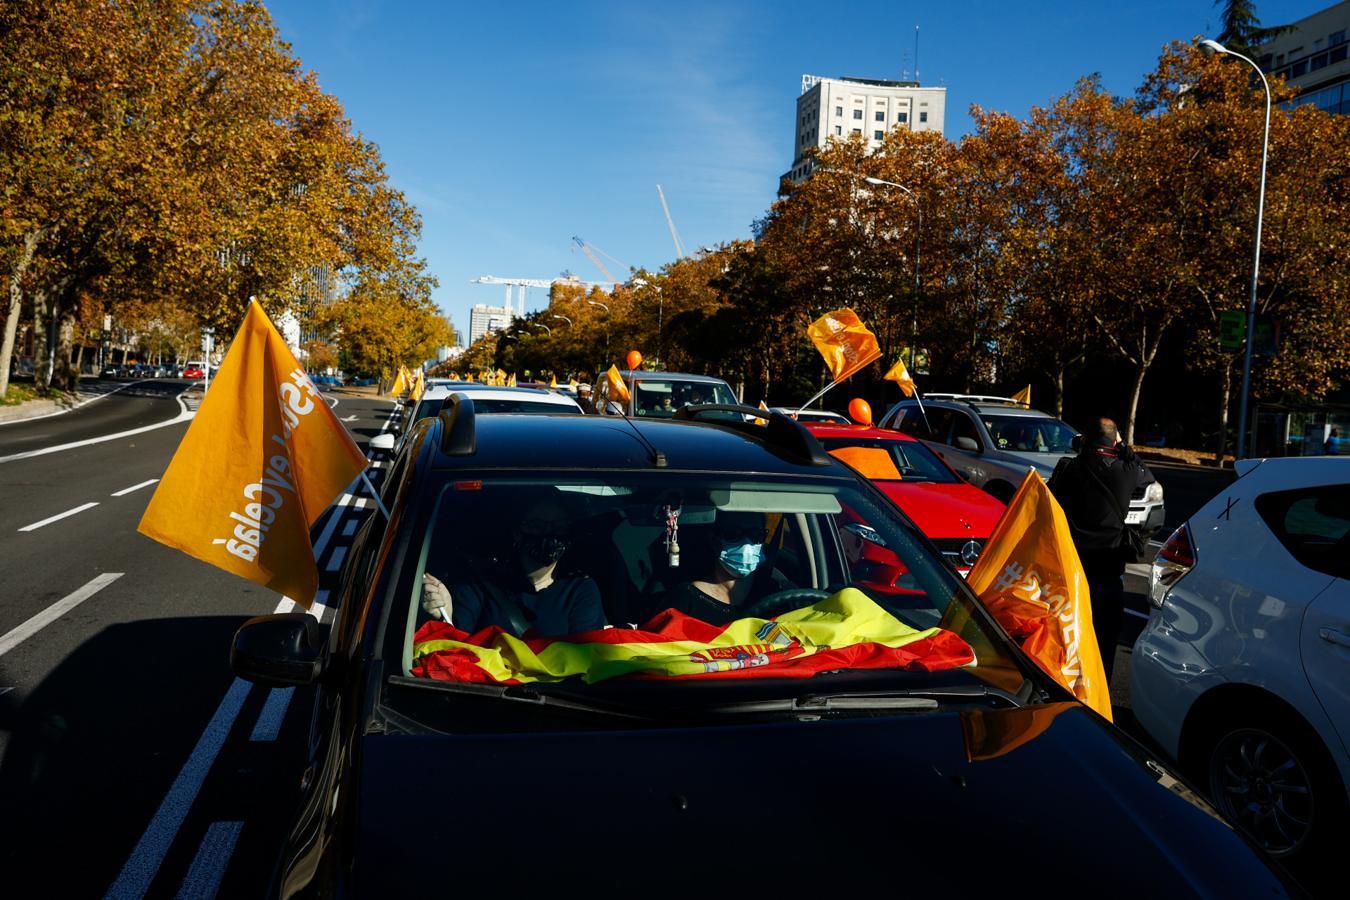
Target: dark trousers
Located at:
point(1104, 570)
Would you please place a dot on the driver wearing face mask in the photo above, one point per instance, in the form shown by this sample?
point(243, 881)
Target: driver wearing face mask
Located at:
point(523, 594)
point(724, 571)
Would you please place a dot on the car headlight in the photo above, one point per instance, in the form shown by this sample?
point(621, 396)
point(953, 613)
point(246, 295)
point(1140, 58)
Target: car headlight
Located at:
point(1153, 493)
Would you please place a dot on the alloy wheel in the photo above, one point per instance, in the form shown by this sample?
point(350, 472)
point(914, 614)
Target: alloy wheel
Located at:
point(1259, 783)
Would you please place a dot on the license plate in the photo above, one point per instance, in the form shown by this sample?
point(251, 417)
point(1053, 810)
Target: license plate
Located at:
point(1135, 517)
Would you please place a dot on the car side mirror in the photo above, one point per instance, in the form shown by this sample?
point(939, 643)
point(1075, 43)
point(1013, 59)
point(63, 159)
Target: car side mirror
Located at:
point(382, 441)
point(967, 443)
point(280, 650)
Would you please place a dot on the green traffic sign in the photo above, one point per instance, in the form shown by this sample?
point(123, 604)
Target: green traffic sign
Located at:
point(1232, 329)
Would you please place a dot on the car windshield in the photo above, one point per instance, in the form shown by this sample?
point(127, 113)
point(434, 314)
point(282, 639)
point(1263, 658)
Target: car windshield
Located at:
point(647, 579)
point(495, 405)
point(889, 460)
point(662, 398)
point(1030, 434)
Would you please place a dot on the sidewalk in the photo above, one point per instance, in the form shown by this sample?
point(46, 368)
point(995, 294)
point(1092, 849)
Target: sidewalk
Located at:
point(32, 409)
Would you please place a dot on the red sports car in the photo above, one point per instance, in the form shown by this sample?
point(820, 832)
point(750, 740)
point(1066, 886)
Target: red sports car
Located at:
point(957, 517)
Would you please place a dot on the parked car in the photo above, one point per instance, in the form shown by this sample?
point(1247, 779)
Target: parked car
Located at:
point(719, 753)
point(1243, 671)
point(660, 394)
point(992, 441)
point(194, 370)
point(115, 370)
point(812, 415)
point(957, 517)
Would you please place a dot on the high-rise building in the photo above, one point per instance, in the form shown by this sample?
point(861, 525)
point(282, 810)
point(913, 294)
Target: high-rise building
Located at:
point(1312, 56)
point(834, 108)
point(485, 319)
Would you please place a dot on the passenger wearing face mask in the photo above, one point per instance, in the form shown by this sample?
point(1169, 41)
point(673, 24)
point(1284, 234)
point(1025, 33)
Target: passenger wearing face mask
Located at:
point(523, 594)
point(724, 571)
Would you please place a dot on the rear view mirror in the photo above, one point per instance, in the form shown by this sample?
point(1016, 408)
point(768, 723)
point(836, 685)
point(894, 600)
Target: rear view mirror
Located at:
point(382, 441)
point(967, 443)
point(278, 650)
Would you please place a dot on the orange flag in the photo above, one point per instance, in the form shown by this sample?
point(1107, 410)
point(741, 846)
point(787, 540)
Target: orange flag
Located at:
point(263, 458)
point(618, 390)
point(419, 384)
point(1031, 580)
point(1023, 396)
point(400, 382)
point(844, 341)
point(553, 381)
point(900, 375)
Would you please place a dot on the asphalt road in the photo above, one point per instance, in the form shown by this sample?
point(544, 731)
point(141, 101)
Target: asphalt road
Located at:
point(132, 762)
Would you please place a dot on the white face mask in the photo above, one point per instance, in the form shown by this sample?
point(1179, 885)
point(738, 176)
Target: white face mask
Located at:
point(740, 559)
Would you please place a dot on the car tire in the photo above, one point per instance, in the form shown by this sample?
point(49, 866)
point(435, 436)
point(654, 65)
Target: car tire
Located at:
point(1267, 772)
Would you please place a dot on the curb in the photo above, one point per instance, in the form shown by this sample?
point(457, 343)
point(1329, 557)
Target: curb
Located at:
point(32, 409)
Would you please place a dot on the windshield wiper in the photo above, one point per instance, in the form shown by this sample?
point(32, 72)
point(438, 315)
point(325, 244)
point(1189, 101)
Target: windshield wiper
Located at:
point(516, 693)
point(920, 698)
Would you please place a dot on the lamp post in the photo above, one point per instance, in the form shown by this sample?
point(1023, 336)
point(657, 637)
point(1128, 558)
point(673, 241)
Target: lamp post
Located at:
point(605, 307)
point(918, 251)
point(545, 327)
point(564, 318)
point(1209, 48)
point(660, 314)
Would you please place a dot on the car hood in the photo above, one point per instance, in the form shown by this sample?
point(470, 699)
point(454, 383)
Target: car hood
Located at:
point(945, 510)
point(959, 801)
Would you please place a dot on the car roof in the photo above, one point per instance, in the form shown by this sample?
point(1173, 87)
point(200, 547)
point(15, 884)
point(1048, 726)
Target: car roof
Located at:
point(534, 442)
point(981, 408)
point(831, 431)
point(643, 375)
point(506, 393)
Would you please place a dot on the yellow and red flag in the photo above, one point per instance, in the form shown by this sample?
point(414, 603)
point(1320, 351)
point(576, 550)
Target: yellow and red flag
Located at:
point(900, 375)
point(1030, 578)
point(844, 631)
point(1023, 396)
point(263, 458)
point(618, 389)
point(844, 341)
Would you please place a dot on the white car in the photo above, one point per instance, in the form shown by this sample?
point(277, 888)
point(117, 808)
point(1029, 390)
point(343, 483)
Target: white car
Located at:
point(486, 399)
point(1243, 671)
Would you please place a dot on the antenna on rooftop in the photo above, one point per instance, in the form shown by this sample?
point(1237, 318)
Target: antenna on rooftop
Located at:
point(916, 53)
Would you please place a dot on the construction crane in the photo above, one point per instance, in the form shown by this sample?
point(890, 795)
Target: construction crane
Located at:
point(591, 251)
point(523, 283)
point(674, 235)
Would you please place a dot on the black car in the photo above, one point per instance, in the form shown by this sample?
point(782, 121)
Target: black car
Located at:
point(827, 728)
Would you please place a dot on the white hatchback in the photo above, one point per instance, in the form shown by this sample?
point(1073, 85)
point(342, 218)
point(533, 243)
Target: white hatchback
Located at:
point(1243, 671)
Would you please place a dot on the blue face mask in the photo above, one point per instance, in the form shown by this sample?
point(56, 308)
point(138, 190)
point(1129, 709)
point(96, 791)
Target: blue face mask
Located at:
point(740, 559)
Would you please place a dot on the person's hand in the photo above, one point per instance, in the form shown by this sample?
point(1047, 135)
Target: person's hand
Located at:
point(436, 598)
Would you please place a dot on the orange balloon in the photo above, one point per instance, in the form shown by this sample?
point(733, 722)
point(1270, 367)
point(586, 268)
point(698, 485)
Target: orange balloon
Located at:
point(860, 411)
point(634, 359)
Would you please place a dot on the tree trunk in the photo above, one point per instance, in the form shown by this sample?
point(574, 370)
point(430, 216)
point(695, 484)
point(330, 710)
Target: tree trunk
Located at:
point(1058, 379)
point(16, 273)
point(64, 375)
point(1135, 389)
point(1225, 393)
point(42, 369)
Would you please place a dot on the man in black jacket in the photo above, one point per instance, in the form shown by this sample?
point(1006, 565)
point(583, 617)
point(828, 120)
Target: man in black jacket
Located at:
point(1094, 489)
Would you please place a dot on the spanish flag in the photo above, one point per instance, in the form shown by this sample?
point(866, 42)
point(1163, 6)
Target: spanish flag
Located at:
point(618, 390)
point(844, 631)
point(844, 341)
point(900, 375)
point(263, 458)
point(1030, 579)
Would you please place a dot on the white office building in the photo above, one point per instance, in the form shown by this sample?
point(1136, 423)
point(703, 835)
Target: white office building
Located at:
point(1314, 57)
point(838, 107)
point(486, 319)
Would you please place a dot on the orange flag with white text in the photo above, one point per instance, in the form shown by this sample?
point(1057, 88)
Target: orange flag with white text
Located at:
point(1030, 578)
point(844, 341)
point(261, 461)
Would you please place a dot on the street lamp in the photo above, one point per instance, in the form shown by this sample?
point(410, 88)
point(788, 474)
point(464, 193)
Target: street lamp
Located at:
point(599, 304)
point(660, 313)
point(1209, 48)
point(918, 250)
point(605, 307)
point(564, 318)
point(545, 327)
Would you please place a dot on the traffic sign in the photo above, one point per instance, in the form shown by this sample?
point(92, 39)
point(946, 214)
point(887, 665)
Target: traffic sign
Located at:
point(1232, 329)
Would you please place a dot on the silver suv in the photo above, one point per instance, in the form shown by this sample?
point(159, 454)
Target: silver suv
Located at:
point(992, 440)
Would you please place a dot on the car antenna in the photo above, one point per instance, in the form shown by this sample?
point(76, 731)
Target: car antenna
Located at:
point(658, 458)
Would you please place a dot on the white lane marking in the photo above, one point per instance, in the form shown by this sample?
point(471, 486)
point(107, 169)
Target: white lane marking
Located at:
point(1135, 612)
point(143, 865)
point(182, 416)
point(273, 713)
point(59, 516)
point(35, 624)
point(335, 561)
point(350, 419)
point(135, 487)
point(203, 878)
point(350, 528)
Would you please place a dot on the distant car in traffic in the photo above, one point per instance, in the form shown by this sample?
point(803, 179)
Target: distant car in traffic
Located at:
point(911, 714)
point(957, 517)
point(1243, 671)
point(194, 370)
point(487, 399)
point(992, 441)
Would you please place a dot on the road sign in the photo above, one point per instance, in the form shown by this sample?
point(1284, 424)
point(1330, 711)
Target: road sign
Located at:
point(1232, 329)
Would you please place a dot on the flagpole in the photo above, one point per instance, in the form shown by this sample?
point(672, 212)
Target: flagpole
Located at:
point(378, 502)
point(819, 394)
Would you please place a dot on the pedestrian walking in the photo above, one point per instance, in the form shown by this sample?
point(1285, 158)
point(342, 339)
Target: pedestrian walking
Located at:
point(1094, 490)
point(1332, 445)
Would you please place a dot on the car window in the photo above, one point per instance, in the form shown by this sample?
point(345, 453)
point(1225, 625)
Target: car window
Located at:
point(661, 398)
point(928, 424)
point(963, 427)
point(1313, 524)
point(625, 551)
point(913, 461)
point(507, 405)
point(1030, 434)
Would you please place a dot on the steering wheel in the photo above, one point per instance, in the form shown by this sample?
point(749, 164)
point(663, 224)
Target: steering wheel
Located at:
point(783, 601)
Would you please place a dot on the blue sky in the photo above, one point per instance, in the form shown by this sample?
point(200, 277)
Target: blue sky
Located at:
point(514, 126)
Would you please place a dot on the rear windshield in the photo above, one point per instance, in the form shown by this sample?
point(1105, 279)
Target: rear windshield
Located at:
point(662, 398)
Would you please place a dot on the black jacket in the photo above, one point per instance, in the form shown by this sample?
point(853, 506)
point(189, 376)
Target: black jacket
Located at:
point(1084, 486)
